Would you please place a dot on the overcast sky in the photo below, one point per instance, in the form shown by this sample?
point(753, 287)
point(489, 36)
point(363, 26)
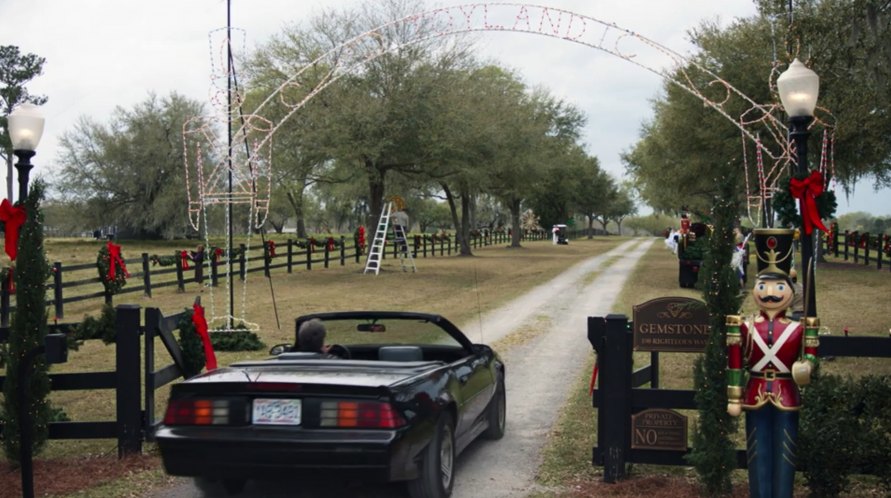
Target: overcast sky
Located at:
point(106, 53)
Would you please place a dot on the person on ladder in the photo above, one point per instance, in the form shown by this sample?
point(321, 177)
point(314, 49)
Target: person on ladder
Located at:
point(400, 228)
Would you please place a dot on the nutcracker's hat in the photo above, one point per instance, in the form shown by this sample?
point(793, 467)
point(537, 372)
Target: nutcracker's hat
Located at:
point(773, 246)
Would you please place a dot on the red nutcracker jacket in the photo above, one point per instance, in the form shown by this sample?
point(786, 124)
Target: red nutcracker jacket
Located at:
point(766, 350)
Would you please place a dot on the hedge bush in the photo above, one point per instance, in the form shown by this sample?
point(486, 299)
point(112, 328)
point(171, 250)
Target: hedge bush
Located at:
point(845, 429)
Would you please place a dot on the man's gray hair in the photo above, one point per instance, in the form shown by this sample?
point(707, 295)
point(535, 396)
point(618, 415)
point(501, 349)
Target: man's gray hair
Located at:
point(311, 336)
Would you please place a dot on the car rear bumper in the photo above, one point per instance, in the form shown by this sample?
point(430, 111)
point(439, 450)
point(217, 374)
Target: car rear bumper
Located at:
point(244, 452)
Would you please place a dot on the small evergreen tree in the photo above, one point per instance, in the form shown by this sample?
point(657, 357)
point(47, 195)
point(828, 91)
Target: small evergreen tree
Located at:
point(713, 454)
point(27, 331)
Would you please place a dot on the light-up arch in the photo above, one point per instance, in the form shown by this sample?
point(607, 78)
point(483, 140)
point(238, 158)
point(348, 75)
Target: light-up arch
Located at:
point(523, 18)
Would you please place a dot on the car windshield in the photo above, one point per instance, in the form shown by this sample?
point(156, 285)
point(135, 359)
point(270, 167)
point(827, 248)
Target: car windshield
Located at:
point(389, 331)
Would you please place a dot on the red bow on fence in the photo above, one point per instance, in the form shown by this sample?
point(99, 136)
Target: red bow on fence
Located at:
point(14, 217)
point(210, 359)
point(217, 254)
point(184, 256)
point(271, 245)
point(114, 259)
point(330, 245)
point(806, 190)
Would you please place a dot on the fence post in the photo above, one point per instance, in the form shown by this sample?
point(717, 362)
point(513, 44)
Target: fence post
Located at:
point(612, 340)
point(146, 275)
point(267, 258)
point(847, 243)
point(309, 247)
point(4, 302)
point(242, 258)
point(214, 270)
point(57, 290)
point(356, 247)
point(290, 255)
point(129, 413)
point(866, 250)
point(152, 319)
point(342, 250)
point(180, 280)
point(327, 254)
point(879, 252)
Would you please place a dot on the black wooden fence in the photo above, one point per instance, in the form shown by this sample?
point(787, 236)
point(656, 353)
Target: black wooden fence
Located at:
point(70, 284)
point(135, 415)
point(620, 394)
point(861, 248)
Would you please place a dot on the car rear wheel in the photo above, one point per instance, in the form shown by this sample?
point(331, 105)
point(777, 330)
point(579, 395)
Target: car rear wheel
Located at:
point(496, 415)
point(437, 467)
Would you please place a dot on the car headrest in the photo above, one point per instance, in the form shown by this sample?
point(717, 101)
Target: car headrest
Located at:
point(300, 355)
point(400, 353)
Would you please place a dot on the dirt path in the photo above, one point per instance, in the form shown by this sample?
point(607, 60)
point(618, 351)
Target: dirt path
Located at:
point(540, 369)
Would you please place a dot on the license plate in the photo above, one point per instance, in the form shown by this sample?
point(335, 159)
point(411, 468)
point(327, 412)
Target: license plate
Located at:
point(277, 411)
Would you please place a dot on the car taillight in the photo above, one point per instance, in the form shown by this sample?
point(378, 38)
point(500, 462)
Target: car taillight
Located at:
point(360, 414)
point(196, 411)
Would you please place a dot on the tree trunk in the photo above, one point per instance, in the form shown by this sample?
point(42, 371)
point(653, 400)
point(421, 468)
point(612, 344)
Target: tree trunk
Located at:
point(590, 226)
point(453, 209)
point(375, 192)
point(515, 222)
point(297, 205)
point(465, 225)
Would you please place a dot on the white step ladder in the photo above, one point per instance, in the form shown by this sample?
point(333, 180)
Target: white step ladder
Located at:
point(379, 244)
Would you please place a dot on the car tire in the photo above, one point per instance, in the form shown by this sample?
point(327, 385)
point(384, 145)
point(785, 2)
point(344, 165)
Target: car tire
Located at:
point(496, 414)
point(436, 470)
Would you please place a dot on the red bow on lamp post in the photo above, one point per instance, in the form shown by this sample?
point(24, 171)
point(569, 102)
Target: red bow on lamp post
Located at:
point(14, 217)
point(806, 190)
point(114, 259)
point(200, 322)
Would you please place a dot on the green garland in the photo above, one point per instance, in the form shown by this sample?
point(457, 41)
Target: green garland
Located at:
point(103, 262)
point(94, 328)
point(162, 260)
point(239, 340)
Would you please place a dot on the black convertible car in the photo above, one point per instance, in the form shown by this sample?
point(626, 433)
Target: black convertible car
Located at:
point(396, 398)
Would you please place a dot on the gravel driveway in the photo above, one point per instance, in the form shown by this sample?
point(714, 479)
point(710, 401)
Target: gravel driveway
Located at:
point(540, 371)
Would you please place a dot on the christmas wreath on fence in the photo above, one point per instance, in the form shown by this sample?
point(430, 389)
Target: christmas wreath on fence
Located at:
point(112, 270)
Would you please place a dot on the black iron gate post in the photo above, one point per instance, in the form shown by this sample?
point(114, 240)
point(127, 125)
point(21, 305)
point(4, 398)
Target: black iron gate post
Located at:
point(611, 339)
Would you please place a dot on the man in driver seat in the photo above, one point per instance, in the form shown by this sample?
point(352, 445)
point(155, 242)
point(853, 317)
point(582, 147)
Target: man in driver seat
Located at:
point(311, 338)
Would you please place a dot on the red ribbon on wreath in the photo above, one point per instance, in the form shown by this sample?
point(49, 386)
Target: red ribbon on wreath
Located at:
point(114, 259)
point(270, 244)
point(806, 190)
point(330, 246)
point(184, 257)
point(200, 322)
point(217, 254)
point(14, 217)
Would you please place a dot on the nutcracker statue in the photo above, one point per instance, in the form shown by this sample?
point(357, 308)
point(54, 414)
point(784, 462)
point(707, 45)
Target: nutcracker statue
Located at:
point(768, 358)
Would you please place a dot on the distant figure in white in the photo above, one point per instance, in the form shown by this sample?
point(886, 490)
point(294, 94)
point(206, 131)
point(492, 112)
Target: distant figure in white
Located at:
point(671, 242)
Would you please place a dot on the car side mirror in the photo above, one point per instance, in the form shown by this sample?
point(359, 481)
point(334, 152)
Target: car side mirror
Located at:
point(279, 349)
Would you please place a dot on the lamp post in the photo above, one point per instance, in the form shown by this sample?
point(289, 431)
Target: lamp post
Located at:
point(799, 88)
point(25, 130)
